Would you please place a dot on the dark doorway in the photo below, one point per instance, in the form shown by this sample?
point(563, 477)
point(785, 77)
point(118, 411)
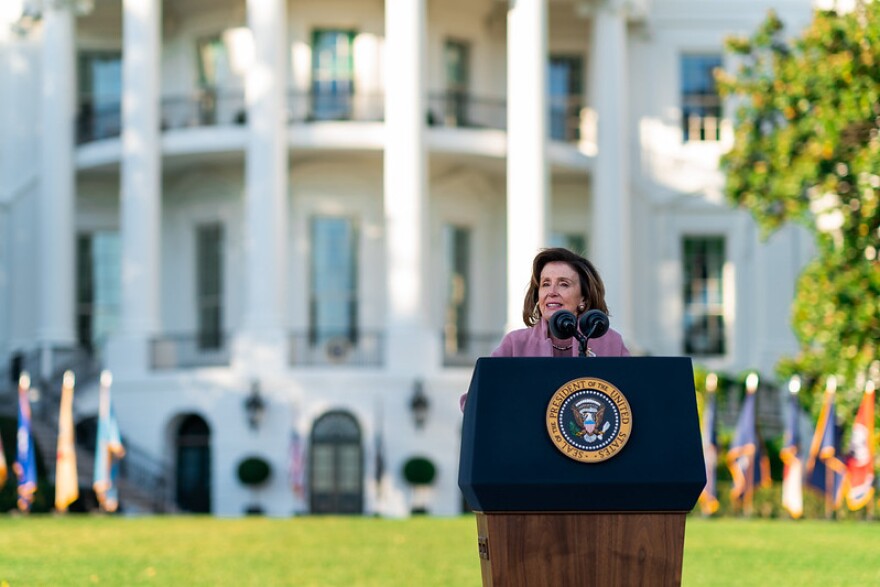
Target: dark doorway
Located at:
point(194, 465)
point(336, 465)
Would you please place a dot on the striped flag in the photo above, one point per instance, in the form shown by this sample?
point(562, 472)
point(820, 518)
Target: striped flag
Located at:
point(108, 450)
point(297, 464)
point(4, 471)
point(25, 466)
point(709, 496)
point(793, 472)
point(746, 458)
point(66, 481)
point(825, 471)
point(860, 462)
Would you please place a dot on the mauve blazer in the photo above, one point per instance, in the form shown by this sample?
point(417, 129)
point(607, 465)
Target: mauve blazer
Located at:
point(534, 342)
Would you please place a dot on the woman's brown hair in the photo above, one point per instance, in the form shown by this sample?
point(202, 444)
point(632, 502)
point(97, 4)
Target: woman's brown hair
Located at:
point(592, 287)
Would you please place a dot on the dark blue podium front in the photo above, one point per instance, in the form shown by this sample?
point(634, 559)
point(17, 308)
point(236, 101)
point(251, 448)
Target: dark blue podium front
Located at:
point(509, 463)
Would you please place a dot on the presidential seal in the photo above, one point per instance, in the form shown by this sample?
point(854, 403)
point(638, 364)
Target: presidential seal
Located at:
point(589, 420)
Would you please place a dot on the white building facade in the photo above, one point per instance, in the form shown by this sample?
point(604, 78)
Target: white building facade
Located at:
point(330, 208)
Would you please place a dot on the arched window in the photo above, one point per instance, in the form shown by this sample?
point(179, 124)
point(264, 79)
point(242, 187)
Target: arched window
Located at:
point(336, 471)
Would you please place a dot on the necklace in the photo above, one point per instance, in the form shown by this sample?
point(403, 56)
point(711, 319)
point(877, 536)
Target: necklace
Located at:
point(561, 348)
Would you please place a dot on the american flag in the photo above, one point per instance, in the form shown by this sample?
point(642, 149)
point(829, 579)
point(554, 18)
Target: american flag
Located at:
point(297, 464)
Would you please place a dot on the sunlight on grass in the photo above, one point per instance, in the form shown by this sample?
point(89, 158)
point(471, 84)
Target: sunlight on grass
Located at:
point(328, 551)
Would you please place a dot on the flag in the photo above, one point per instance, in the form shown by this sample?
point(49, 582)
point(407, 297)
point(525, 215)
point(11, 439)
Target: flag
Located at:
point(709, 496)
point(860, 461)
point(4, 471)
point(793, 471)
point(25, 462)
point(826, 472)
point(108, 450)
point(746, 458)
point(66, 481)
point(297, 464)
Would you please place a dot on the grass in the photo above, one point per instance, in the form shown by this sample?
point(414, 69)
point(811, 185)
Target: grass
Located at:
point(353, 552)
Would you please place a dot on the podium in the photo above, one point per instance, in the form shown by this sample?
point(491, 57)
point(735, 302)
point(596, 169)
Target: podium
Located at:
point(553, 511)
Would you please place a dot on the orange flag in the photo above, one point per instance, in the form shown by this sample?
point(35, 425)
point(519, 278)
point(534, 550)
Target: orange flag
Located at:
point(860, 462)
point(66, 482)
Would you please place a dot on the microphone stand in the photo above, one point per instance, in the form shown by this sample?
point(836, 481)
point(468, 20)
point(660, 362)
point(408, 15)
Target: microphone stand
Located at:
point(582, 344)
point(583, 340)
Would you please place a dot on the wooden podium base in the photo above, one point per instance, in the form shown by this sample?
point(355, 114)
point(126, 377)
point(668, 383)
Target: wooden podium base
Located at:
point(581, 549)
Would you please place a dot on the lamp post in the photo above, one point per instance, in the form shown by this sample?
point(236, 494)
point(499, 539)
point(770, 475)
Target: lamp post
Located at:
point(254, 406)
point(419, 404)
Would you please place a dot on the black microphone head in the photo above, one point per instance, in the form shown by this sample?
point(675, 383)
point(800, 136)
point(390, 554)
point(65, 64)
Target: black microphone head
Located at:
point(593, 323)
point(563, 324)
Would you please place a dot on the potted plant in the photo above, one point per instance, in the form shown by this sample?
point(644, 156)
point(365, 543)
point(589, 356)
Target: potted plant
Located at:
point(420, 472)
point(253, 472)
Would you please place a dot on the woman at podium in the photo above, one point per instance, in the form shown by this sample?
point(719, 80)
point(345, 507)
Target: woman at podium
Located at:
point(561, 280)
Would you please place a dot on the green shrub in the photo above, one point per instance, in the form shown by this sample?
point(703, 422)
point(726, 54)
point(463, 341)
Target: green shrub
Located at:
point(254, 471)
point(419, 471)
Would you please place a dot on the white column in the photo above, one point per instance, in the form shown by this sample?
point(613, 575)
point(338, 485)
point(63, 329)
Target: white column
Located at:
point(57, 177)
point(141, 197)
point(610, 236)
point(527, 175)
point(410, 344)
point(266, 175)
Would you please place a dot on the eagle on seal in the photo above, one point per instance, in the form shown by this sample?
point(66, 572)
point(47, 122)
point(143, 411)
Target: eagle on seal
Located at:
point(589, 415)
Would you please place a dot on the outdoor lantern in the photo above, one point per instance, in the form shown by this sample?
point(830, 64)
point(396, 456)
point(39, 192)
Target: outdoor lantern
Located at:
point(419, 404)
point(255, 406)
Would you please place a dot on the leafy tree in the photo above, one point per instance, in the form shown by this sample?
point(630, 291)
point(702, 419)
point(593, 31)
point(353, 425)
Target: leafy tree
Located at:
point(807, 150)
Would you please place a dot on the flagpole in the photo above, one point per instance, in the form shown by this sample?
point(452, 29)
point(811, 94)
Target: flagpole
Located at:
point(748, 503)
point(829, 489)
point(830, 389)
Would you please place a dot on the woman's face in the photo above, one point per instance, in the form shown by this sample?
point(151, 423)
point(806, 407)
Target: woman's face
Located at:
point(559, 289)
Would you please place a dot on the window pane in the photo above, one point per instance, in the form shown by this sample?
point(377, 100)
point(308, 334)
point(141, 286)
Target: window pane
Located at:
point(100, 91)
point(700, 102)
point(332, 74)
point(458, 254)
point(565, 89)
point(209, 290)
point(572, 241)
point(322, 467)
point(214, 65)
point(349, 468)
point(333, 296)
point(98, 287)
point(703, 270)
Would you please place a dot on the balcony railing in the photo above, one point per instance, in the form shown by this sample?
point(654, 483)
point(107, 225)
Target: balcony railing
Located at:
point(462, 349)
point(182, 351)
point(209, 108)
point(342, 105)
point(95, 122)
point(701, 117)
point(353, 349)
point(461, 110)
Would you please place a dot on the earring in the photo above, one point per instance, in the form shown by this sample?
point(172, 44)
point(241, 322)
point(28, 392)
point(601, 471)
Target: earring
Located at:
point(536, 313)
point(581, 308)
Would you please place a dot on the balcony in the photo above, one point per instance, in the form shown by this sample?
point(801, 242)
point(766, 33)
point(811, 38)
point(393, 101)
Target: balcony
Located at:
point(462, 349)
point(188, 351)
point(100, 120)
point(331, 349)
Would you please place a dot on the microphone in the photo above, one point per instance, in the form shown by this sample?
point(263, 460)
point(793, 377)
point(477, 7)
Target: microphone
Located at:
point(563, 324)
point(593, 324)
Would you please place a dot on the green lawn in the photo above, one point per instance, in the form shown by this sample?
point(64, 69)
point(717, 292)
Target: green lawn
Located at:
point(120, 551)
